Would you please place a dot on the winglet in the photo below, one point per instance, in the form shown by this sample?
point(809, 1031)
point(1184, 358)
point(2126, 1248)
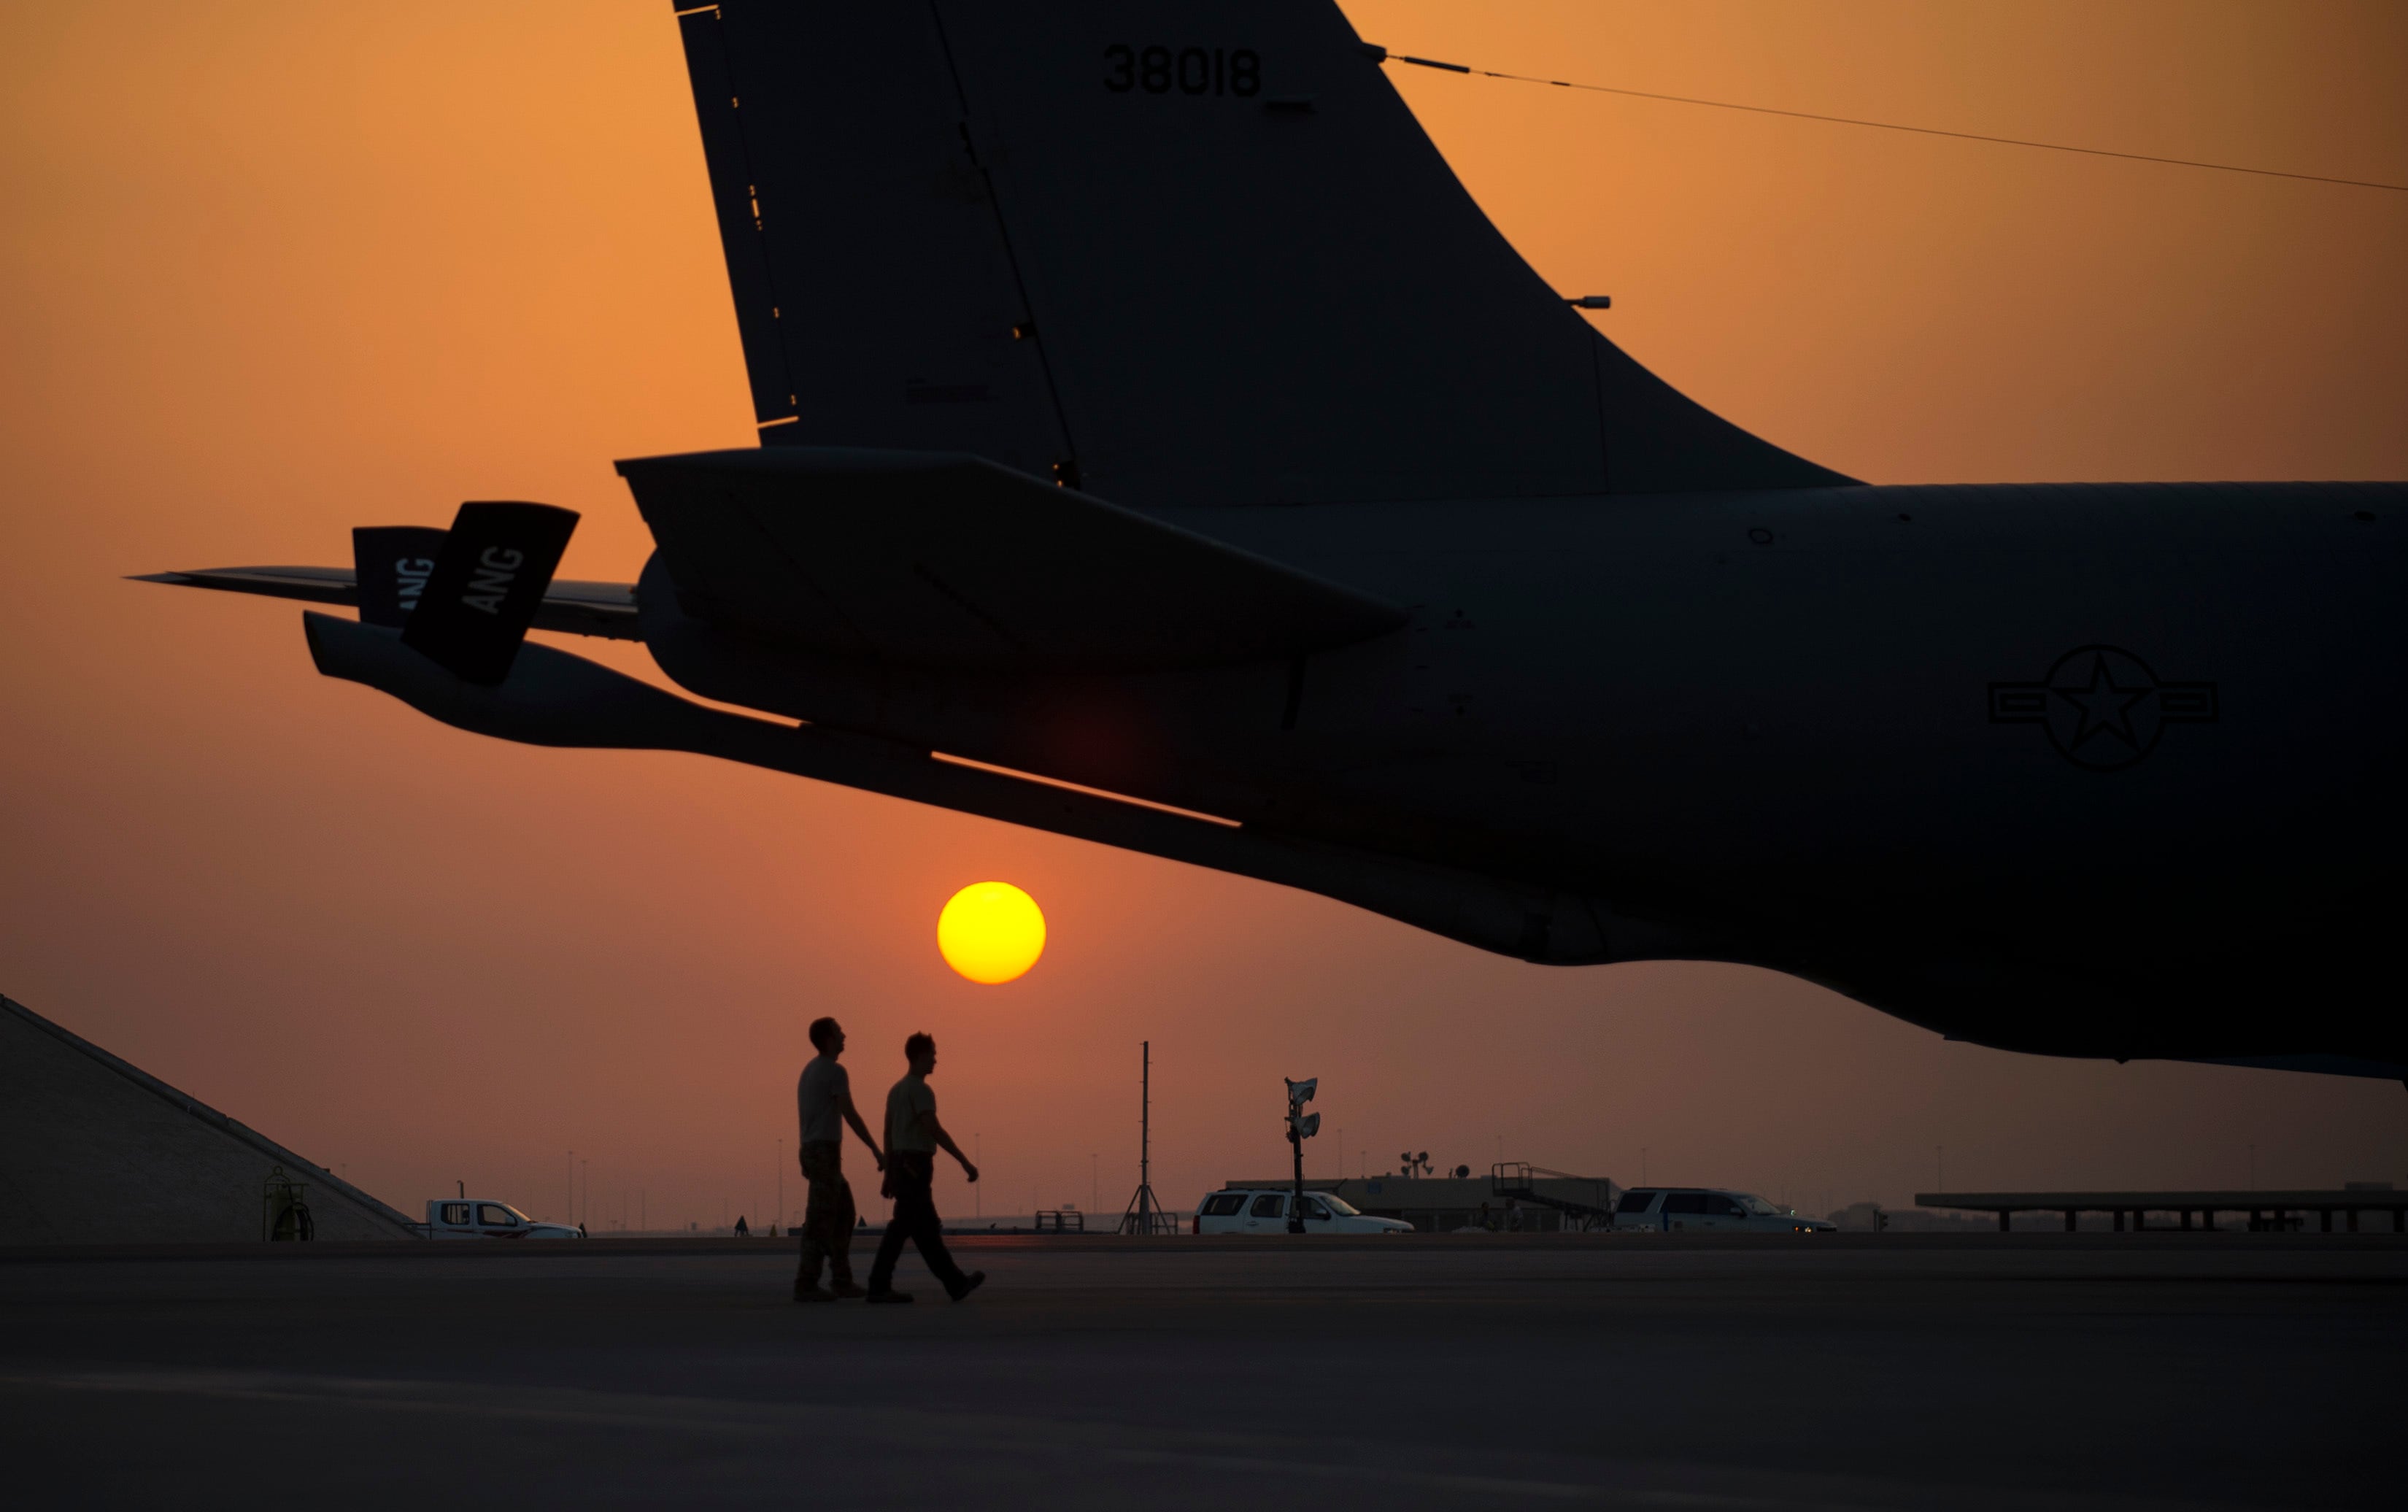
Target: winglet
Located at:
point(487, 582)
point(391, 564)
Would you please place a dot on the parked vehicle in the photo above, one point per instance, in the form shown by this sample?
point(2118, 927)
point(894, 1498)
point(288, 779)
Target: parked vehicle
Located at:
point(1263, 1210)
point(474, 1217)
point(1682, 1209)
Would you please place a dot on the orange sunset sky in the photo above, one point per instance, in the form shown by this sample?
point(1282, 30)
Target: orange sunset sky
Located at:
point(270, 269)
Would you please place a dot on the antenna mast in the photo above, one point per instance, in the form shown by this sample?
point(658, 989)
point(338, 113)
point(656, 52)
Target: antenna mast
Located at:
point(1145, 1215)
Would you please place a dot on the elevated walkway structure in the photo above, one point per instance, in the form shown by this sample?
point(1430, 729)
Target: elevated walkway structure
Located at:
point(2266, 1210)
point(96, 1151)
point(1527, 1183)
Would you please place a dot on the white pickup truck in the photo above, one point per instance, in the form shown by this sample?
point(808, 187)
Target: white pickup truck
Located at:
point(473, 1217)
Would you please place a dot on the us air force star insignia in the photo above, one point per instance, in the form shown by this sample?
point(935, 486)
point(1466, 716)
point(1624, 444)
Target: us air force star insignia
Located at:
point(2102, 707)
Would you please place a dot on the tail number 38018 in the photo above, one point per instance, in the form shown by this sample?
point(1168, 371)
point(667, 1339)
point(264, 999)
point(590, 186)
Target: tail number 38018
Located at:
point(1159, 70)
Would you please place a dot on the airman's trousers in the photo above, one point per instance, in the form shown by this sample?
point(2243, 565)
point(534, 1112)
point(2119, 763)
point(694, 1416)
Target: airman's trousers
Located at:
point(827, 1214)
point(910, 1176)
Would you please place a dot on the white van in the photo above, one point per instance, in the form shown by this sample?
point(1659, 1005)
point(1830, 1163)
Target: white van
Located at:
point(1264, 1210)
point(1685, 1209)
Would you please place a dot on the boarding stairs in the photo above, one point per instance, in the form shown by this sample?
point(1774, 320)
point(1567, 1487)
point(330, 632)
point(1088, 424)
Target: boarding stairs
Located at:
point(1519, 1180)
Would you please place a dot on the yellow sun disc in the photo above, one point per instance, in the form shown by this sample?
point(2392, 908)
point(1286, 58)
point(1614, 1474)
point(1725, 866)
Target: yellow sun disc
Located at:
point(990, 932)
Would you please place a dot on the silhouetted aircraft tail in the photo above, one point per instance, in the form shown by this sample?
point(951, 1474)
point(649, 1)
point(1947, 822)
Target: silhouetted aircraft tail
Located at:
point(1195, 252)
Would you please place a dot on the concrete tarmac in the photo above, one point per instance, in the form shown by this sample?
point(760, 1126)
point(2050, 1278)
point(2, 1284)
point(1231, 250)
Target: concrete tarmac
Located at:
point(1885, 1370)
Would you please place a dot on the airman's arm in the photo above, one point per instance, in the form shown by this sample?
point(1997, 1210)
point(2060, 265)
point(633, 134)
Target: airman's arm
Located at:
point(853, 1117)
point(945, 1142)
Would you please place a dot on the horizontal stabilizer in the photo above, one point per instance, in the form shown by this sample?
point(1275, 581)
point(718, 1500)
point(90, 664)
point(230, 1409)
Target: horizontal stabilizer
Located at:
point(946, 559)
point(598, 609)
point(313, 584)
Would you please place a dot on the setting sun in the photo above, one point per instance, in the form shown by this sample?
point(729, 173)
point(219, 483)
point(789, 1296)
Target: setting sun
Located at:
point(990, 932)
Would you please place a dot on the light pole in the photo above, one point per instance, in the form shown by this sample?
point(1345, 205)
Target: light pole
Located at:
point(572, 1185)
point(1301, 1125)
point(781, 1189)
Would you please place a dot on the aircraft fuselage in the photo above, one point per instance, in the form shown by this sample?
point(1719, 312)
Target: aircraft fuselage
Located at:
point(1943, 746)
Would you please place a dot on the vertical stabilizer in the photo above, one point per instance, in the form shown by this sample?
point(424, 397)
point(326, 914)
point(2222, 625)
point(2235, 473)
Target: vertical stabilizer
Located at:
point(874, 292)
point(1177, 252)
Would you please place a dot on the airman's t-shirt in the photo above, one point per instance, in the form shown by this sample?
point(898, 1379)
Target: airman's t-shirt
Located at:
point(819, 1100)
point(904, 1130)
